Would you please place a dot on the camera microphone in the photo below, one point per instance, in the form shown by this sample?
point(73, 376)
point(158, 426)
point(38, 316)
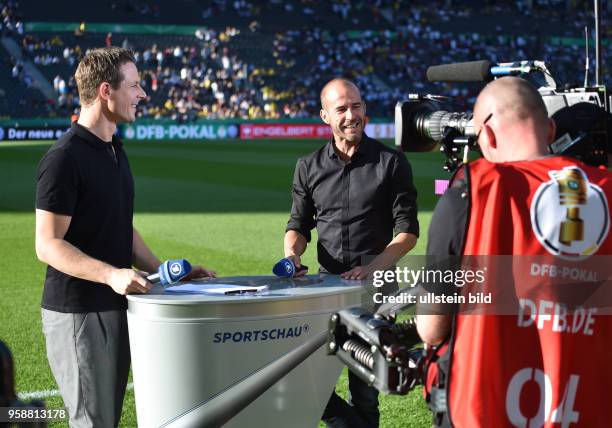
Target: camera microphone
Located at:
point(475, 71)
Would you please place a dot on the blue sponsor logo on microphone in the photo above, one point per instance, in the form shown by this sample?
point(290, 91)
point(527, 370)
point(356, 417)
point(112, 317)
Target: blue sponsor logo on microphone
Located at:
point(286, 268)
point(172, 271)
point(175, 268)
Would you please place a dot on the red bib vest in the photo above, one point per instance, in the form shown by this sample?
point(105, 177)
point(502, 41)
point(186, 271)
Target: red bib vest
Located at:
point(535, 369)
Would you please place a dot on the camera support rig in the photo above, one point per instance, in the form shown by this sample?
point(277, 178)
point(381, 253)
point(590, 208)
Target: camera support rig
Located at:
point(384, 354)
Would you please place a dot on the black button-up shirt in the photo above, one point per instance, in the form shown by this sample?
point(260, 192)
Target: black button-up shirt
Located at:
point(355, 205)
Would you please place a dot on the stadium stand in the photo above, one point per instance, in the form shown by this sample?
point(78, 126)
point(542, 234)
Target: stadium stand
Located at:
point(249, 59)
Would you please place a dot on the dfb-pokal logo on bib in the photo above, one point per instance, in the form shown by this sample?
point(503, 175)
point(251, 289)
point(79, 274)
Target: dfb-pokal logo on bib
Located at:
point(569, 215)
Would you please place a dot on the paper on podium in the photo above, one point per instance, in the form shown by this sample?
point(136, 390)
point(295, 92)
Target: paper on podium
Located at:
point(214, 288)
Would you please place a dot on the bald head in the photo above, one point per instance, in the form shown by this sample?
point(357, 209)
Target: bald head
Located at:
point(517, 124)
point(513, 99)
point(333, 86)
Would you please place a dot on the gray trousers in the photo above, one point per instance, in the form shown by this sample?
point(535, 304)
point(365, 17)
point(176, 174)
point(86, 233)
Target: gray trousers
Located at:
point(89, 356)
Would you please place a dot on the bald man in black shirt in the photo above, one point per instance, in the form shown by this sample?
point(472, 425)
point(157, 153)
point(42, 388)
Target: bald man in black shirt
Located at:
point(357, 192)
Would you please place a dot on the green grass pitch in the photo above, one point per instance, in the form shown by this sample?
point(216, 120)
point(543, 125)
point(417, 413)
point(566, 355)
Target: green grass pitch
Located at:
point(221, 204)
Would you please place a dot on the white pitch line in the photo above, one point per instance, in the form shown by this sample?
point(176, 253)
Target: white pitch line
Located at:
point(48, 393)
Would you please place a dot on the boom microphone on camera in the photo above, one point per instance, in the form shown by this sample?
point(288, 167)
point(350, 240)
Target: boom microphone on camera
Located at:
point(170, 272)
point(472, 71)
point(478, 71)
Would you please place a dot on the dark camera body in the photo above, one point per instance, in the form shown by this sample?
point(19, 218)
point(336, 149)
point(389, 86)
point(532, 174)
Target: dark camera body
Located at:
point(584, 122)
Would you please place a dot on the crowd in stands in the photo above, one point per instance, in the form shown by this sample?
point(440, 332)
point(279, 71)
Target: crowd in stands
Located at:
point(388, 65)
point(12, 22)
point(204, 79)
point(208, 75)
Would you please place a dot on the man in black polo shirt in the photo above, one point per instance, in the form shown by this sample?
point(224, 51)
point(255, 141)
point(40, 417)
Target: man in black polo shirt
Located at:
point(357, 192)
point(84, 232)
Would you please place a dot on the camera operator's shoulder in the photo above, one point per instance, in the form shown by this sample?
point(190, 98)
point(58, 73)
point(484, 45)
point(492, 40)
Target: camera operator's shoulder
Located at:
point(460, 178)
point(600, 172)
point(480, 172)
point(484, 167)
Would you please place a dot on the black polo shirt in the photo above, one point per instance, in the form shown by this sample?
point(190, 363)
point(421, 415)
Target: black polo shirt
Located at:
point(355, 206)
point(80, 176)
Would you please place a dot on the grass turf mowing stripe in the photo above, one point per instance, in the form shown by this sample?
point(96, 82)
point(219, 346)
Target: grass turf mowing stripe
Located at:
point(227, 165)
point(48, 393)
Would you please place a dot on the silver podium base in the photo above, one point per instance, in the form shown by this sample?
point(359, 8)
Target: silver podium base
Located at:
point(187, 349)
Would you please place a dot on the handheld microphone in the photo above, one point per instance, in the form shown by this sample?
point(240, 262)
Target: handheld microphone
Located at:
point(286, 268)
point(170, 272)
point(477, 71)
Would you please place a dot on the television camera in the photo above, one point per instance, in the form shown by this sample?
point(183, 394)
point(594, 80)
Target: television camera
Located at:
point(582, 114)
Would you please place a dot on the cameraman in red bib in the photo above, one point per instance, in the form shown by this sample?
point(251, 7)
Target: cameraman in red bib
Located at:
point(499, 370)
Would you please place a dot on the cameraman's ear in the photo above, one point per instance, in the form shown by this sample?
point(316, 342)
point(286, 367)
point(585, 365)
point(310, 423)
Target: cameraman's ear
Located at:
point(488, 143)
point(324, 116)
point(552, 131)
point(489, 136)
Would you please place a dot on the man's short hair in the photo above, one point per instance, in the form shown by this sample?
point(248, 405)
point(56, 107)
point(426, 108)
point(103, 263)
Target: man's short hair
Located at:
point(98, 66)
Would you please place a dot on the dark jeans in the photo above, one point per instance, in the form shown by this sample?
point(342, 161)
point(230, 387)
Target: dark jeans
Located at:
point(362, 412)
